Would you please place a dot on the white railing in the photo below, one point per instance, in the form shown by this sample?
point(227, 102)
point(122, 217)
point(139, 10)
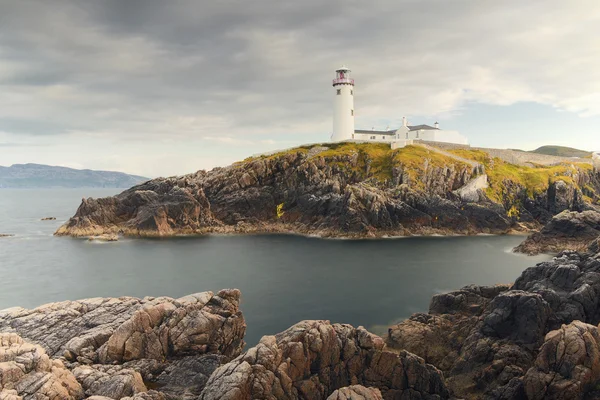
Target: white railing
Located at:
point(341, 81)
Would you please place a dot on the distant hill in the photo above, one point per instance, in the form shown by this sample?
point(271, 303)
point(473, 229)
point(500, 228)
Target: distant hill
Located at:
point(562, 151)
point(47, 176)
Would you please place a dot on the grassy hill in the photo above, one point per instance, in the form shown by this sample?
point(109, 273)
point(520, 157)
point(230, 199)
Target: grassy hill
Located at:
point(562, 151)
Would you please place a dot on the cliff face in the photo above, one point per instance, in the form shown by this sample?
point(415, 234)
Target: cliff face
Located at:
point(536, 339)
point(345, 190)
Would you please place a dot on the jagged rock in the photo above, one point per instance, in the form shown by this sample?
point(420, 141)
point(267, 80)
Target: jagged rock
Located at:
point(173, 343)
point(485, 339)
point(108, 330)
point(109, 381)
point(27, 372)
point(569, 230)
point(570, 284)
point(312, 359)
point(567, 365)
point(356, 392)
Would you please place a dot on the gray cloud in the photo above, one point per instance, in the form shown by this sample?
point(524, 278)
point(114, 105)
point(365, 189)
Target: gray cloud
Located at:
point(261, 70)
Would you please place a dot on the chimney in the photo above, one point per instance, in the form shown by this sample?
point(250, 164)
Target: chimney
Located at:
point(404, 122)
point(437, 125)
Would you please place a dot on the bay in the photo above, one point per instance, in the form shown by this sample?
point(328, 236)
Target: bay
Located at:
point(283, 278)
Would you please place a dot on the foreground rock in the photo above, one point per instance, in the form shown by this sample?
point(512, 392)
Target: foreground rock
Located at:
point(356, 392)
point(494, 342)
point(26, 372)
point(312, 359)
point(347, 190)
point(569, 230)
point(568, 364)
point(114, 345)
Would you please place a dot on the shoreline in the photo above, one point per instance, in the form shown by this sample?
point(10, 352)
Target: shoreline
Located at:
point(306, 234)
point(281, 230)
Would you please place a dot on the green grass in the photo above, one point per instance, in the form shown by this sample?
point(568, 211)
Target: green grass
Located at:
point(503, 176)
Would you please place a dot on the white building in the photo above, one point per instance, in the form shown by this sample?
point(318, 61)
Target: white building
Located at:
point(343, 121)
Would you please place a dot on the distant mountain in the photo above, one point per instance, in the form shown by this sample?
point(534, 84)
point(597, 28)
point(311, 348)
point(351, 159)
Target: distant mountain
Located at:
point(562, 151)
point(47, 176)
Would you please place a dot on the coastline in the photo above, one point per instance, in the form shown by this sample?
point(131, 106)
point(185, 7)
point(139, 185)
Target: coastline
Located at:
point(287, 229)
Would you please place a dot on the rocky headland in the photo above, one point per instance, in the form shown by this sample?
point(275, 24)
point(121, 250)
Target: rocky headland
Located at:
point(347, 190)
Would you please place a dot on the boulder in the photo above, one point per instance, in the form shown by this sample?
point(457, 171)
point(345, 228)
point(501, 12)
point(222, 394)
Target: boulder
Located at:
point(108, 330)
point(27, 372)
point(569, 230)
point(312, 359)
point(109, 381)
point(115, 345)
point(567, 365)
point(356, 392)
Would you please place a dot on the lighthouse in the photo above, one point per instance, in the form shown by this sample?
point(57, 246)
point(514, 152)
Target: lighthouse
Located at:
point(343, 105)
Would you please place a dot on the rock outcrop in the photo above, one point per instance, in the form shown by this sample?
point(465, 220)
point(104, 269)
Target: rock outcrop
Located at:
point(569, 230)
point(27, 372)
point(494, 342)
point(567, 365)
point(348, 190)
point(313, 359)
point(356, 392)
point(116, 347)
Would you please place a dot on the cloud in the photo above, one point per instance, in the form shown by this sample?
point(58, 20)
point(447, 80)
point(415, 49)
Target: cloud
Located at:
point(239, 72)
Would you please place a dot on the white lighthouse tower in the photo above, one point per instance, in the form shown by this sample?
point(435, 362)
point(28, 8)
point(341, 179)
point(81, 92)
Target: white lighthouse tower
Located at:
point(343, 105)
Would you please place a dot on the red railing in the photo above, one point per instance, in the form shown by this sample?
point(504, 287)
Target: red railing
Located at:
point(342, 81)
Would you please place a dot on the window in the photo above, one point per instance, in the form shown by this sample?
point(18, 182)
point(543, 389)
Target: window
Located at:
point(417, 134)
point(339, 91)
point(352, 112)
point(372, 137)
point(351, 92)
point(353, 136)
point(407, 135)
point(384, 137)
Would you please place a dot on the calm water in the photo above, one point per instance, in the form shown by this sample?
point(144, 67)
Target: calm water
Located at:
point(283, 279)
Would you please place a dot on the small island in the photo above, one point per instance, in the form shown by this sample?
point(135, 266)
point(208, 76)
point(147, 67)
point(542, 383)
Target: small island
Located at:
point(352, 190)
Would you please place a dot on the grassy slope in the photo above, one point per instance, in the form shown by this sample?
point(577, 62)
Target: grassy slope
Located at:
point(415, 160)
point(535, 180)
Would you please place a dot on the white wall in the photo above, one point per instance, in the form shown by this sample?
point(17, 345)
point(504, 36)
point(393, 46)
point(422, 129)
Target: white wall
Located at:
point(378, 138)
point(435, 135)
point(343, 109)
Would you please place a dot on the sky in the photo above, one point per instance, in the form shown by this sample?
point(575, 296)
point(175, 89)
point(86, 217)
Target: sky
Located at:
point(161, 88)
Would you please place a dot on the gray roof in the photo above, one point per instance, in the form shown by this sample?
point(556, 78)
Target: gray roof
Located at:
point(421, 127)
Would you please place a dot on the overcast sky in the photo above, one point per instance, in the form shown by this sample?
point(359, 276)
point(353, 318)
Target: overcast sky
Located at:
point(169, 87)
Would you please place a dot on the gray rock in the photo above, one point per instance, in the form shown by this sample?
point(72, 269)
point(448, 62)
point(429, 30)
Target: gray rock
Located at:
point(110, 381)
point(356, 392)
point(26, 372)
point(312, 359)
point(114, 345)
point(569, 230)
point(108, 330)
